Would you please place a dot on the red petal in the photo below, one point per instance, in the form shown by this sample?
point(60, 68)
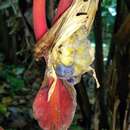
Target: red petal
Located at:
point(57, 114)
point(39, 18)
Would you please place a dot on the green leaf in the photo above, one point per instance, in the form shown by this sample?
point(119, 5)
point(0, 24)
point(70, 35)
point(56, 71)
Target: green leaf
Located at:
point(3, 108)
point(75, 127)
point(16, 83)
point(19, 70)
point(4, 5)
point(10, 3)
point(7, 101)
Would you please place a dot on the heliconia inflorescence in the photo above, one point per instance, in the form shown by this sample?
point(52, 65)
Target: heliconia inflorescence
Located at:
point(68, 55)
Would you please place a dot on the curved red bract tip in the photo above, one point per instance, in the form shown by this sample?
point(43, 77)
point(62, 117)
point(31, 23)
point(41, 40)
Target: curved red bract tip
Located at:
point(62, 7)
point(39, 18)
point(58, 112)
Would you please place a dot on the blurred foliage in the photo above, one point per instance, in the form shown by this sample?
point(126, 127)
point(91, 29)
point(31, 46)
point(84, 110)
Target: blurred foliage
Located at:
point(108, 14)
point(108, 19)
point(9, 3)
point(12, 75)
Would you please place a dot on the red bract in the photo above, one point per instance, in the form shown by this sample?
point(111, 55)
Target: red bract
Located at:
point(39, 18)
point(58, 112)
point(1, 128)
point(63, 5)
point(39, 15)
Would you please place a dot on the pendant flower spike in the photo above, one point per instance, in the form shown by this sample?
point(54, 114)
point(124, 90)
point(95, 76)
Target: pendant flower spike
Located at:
point(68, 55)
